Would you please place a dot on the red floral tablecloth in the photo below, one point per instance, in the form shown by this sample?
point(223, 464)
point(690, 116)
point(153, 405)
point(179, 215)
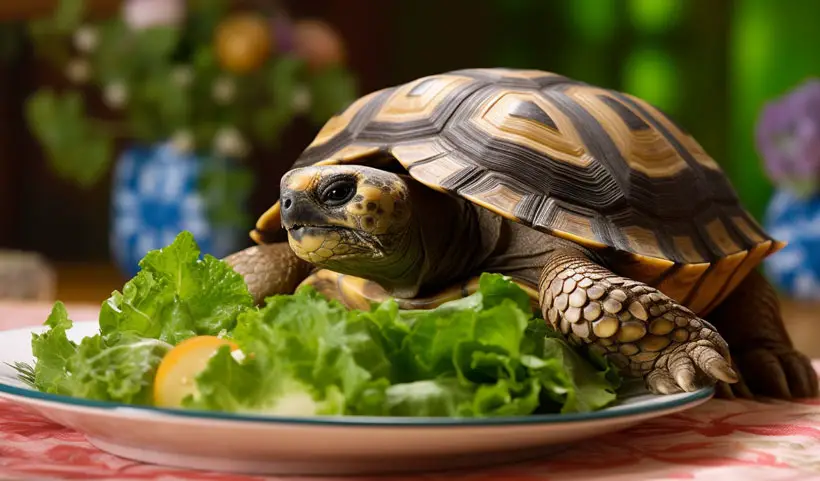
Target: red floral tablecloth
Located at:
point(720, 440)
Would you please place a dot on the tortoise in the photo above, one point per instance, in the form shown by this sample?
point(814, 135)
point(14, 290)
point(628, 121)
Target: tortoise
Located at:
point(625, 233)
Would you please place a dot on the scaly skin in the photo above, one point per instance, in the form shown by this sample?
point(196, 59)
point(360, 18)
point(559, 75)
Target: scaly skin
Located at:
point(750, 320)
point(370, 231)
point(639, 329)
point(413, 241)
point(269, 269)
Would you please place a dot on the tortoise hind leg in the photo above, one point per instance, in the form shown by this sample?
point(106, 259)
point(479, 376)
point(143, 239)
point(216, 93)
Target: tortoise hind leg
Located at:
point(751, 322)
point(269, 269)
point(642, 331)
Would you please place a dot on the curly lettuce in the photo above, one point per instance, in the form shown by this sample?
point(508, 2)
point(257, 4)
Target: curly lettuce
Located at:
point(176, 295)
point(483, 355)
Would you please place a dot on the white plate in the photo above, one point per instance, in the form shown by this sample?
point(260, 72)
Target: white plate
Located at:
point(321, 445)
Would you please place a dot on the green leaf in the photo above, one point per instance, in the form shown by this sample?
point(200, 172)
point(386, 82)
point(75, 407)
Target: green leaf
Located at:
point(507, 398)
point(305, 354)
point(120, 368)
point(176, 295)
point(281, 78)
point(68, 15)
point(142, 123)
point(331, 91)
point(226, 185)
point(154, 45)
point(302, 354)
point(299, 360)
point(569, 380)
point(428, 398)
point(170, 104)
point(205, 59)
point(54, 351)
point(203, 18)
point(51, 35)
point(215, 394)
point(110, 63)
point(493, 290)
point(75, 149)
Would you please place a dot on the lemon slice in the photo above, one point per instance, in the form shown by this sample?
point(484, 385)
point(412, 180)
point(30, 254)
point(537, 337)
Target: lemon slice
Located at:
point(176, 374)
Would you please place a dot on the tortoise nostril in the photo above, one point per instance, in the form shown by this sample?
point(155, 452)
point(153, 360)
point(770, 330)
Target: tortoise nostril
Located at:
point(287, 203)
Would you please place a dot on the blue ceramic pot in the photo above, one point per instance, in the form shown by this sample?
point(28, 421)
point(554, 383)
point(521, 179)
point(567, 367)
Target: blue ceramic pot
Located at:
point(157, 193)
point(795, 270)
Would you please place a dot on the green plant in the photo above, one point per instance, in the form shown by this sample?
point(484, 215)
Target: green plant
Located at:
point(208, 80)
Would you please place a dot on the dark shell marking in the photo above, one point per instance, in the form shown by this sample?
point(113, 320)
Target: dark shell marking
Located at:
point(595, 166)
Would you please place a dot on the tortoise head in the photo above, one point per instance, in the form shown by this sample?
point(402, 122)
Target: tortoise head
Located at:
point(354, 220)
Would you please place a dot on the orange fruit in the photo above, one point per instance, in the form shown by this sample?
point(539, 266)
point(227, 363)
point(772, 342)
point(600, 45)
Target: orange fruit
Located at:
point(176, 374)
point(244, 42)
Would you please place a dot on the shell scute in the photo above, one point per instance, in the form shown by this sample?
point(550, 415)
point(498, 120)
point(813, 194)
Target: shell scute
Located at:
point(599, 167)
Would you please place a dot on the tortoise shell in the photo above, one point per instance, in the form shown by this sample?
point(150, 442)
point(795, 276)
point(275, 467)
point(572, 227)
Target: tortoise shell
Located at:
point(599, 167)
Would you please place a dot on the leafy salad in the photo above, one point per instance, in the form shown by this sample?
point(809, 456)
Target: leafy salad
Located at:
point(185, 333)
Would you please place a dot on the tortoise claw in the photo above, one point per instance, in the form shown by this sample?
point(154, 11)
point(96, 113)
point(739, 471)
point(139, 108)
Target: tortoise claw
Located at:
point(738, 390)
point(660, 381)
point(694, 364)
point(779, 372)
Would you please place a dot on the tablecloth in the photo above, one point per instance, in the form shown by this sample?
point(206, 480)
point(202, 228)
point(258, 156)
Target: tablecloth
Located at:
point(719, 440)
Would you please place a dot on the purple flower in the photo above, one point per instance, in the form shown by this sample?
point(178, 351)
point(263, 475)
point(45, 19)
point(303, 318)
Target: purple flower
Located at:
point(788, 135)
point(142, 14)
point(282, 29)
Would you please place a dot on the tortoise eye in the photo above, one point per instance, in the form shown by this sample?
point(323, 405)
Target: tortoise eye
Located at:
point(338, 192)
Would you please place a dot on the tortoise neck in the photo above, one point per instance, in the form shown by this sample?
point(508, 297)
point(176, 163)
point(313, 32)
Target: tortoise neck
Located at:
point(454, 236)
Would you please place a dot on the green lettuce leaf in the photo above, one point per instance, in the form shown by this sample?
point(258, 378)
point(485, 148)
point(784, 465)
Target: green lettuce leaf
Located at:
point(568, 380)
point(116, 371)
point(303, 354)
point(427, 398)
point(493, 289)
point(176, 295)
point(484, 355)
point(53, 351)
point(121, 369)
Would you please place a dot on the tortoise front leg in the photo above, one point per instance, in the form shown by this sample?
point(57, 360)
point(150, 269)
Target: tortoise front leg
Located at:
point(750, 319)
point(269, 269)
point(642, 331)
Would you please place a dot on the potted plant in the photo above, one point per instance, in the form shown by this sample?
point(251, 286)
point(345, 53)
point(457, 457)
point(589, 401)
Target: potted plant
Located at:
point(788, 139)
point(191, 88)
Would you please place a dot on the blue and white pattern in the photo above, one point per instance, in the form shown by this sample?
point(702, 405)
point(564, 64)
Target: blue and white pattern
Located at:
point(795, 270)
point(155, 196)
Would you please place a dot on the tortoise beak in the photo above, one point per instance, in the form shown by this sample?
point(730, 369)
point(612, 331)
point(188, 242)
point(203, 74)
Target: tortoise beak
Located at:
point(298, 210)
point(292, 207)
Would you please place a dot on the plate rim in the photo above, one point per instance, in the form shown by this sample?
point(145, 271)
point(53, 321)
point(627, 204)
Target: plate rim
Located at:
point(664, 403)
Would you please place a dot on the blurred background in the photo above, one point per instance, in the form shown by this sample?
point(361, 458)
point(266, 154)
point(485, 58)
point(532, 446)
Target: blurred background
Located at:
point(123, 121)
